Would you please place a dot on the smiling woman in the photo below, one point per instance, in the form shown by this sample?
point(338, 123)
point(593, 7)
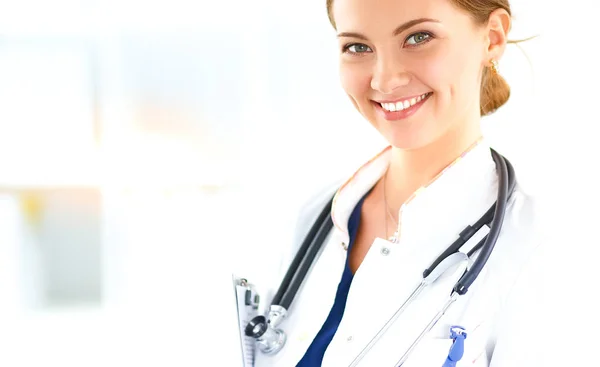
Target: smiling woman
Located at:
point(444, 50)
point(422, 73)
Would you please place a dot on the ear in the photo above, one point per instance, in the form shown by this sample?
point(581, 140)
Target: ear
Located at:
point(499, 24)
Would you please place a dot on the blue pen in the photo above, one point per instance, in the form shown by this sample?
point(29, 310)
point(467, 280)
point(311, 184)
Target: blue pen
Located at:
point(458, 334)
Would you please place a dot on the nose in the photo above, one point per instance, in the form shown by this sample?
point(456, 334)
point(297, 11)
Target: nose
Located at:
point(389, 75)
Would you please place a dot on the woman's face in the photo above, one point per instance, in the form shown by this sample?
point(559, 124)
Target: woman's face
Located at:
point(412, 68)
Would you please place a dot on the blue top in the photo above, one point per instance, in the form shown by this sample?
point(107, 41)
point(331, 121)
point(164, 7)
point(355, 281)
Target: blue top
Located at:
point(314, 355)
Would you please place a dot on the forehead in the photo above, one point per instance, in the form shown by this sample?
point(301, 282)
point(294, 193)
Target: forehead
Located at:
point(386, 15)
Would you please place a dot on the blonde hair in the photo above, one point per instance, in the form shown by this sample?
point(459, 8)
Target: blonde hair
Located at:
point(495, 91)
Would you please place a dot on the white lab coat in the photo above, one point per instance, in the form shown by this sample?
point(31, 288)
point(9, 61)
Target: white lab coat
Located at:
point(429, 223)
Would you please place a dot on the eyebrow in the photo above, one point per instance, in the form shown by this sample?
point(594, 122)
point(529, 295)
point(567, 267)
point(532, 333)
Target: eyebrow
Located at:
point(401, 28)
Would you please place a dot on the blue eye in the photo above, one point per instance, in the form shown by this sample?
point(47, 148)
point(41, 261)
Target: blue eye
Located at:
point(418, 38)
point(357, 48)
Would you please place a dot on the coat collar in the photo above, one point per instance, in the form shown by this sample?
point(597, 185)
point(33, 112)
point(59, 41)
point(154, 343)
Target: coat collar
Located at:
point(451, 196)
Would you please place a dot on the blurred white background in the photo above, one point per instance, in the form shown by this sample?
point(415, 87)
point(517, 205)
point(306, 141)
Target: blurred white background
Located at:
point(136, 137)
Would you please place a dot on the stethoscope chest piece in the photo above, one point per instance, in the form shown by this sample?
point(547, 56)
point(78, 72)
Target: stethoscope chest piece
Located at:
point(268, 339)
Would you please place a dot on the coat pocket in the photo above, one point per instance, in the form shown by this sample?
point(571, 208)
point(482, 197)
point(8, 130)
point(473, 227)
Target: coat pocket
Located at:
point(430, 352)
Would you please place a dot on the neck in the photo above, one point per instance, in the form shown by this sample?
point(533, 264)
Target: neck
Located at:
point(411, 169)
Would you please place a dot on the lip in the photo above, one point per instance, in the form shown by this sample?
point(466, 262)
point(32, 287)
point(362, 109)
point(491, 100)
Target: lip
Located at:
point(399, 115)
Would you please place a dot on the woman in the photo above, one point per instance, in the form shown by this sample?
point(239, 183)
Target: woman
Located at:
point(422, 73)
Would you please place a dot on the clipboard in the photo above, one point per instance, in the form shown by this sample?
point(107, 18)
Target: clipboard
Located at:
point(247, 301)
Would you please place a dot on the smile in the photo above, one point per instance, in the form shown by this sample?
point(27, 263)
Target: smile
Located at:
point(403, 104)
point(401, 109)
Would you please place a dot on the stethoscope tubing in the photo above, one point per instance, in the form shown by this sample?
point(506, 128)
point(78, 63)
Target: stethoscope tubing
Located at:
point(494, 217)
point(304, 258)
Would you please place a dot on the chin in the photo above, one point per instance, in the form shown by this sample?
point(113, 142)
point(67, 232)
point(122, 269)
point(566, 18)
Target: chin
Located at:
point(409, 135)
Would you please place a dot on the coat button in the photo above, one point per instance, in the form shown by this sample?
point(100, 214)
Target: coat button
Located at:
point(385, 251)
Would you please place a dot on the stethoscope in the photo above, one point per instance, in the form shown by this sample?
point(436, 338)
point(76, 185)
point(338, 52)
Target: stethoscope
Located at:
point(271, 340)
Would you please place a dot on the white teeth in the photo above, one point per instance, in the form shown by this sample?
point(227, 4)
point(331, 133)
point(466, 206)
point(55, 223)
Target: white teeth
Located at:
point(392, 107)
point(399, 106)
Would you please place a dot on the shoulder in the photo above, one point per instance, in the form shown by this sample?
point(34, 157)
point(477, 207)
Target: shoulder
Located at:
point(508, 269)
point(294, 223)
point(521, 326)
point(520, 238)
point(307, 209)
point(521, 229)
point(310, 206)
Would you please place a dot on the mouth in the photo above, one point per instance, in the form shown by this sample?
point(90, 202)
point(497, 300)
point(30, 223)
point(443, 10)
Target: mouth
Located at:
point(396, 110)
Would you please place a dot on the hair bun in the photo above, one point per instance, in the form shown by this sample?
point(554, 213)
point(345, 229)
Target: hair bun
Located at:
point(495, 92)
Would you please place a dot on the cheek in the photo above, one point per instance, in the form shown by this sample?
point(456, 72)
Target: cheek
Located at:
point(457, 72)
point(435, 69)
point(447, 74)
point(356, 81)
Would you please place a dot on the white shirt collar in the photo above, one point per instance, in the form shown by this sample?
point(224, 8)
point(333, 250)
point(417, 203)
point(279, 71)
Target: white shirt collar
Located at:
point(462, 191)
